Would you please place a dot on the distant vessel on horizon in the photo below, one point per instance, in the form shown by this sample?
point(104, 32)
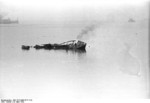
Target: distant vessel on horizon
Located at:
point(8, 21)
point(131, 20)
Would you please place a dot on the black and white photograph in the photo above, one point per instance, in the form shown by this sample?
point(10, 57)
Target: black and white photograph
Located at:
point(74, 51)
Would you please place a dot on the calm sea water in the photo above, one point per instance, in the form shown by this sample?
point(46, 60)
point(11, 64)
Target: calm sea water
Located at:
point(115, 64)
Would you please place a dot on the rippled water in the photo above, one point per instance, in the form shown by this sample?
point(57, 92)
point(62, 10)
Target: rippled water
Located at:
point(115, 64)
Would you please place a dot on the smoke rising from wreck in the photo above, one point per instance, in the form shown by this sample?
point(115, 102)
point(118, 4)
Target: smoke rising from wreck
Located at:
point(87, 30)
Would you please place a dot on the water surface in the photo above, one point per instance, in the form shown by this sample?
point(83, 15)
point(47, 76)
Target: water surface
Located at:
point(115, 64)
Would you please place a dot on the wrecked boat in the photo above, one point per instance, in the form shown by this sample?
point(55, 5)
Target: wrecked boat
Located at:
point(25, 47)
point(72, 44)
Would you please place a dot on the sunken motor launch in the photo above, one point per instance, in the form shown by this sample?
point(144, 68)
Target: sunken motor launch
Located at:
point(72, 44)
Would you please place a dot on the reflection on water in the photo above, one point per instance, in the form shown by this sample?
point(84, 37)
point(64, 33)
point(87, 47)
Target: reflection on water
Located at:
point(79, 52)
point(76, 51)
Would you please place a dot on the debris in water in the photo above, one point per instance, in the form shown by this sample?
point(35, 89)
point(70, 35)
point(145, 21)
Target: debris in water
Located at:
point(25, 47)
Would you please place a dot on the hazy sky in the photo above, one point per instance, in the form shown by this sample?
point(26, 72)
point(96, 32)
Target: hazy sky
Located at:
point(47, 11)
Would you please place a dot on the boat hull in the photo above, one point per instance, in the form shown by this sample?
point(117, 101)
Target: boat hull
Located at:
point(73, 45)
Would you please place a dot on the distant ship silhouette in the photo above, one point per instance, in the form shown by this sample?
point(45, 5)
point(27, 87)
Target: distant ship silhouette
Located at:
point(131, 20)
point(8, 21)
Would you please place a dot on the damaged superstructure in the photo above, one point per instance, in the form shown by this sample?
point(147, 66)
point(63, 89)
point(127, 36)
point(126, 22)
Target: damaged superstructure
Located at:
point(72, 44)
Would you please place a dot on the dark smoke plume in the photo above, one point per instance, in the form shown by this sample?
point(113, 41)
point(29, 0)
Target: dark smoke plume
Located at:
point(87, 30)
